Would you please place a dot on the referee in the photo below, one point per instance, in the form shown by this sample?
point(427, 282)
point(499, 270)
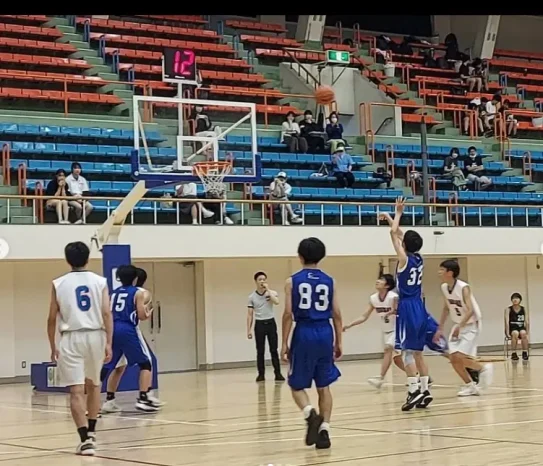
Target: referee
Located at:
point(260, 309)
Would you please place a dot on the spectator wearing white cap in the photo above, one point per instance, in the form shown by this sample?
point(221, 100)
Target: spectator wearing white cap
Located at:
point(280, 191)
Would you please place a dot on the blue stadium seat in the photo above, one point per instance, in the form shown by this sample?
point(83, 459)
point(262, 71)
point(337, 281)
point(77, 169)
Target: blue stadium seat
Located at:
point(91, 132)
point(29, 129)
point(45, 147)
point(39, 164)
point(100, 186)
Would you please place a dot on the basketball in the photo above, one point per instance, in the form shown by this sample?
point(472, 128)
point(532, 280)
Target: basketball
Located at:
point(325, 95)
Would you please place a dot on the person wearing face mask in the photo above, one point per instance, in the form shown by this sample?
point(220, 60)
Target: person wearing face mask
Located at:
point(312, 132)
point(453, 171)
point(334, 131)
point(290, 135)
point(475, 171)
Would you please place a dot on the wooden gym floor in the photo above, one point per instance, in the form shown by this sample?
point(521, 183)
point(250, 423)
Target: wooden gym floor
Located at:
point(225, 418)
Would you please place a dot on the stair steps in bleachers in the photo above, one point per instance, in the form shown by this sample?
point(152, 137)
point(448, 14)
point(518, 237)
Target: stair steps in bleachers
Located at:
point(17, 213)
point(99, 67)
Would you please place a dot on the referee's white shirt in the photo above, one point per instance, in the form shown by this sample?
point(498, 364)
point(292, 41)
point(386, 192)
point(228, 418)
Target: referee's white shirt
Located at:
point(262, 305)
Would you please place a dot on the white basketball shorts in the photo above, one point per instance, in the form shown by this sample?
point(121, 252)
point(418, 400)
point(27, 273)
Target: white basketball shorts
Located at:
point(389, 340)
point(81, 356)
point(466, 343)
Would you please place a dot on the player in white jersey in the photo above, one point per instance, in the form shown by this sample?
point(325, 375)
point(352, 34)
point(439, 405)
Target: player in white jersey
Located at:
point(462, 307)
point(385, 302)
point(80, 302)
point(114, 377)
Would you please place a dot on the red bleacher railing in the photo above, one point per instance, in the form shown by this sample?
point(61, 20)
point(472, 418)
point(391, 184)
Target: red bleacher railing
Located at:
point(365, 112)
point(6, 158)
point(21, 181)
point(339, 27)
point(268, 94)
point(370, 143)
point(527, 164)
point(68, 81)
point(453, 202)
point(411, 179)
point(389, 159)
point(38, 209)
point(432, 189)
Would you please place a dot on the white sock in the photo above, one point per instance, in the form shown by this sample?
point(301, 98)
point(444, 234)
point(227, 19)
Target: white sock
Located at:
point(324, 426)
point(413, 384)
point(424, 383)
point(307, 411)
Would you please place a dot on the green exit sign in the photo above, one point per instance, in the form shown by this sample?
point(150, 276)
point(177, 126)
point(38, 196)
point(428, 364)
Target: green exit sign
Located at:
point(336, 56)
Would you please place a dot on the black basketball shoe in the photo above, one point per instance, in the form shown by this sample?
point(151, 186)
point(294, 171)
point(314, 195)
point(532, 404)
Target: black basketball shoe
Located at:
point(314, 421)
point(412, 400)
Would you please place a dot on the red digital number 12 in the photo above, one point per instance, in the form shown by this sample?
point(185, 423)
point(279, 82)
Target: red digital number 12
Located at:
point(183, 59)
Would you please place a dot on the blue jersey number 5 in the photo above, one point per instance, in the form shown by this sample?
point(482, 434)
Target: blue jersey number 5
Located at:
point(82, 298)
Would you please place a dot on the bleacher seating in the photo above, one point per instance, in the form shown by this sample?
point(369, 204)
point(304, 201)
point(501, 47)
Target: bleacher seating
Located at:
point(41, 70)
point(38, 70)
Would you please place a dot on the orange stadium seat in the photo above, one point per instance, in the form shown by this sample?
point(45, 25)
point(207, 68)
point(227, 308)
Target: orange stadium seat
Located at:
point(269, 40)
point(255, 26)
point(195, 19)
point(155, 29)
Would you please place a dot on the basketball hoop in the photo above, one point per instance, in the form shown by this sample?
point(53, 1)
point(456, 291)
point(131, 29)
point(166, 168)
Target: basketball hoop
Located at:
point(212, 175)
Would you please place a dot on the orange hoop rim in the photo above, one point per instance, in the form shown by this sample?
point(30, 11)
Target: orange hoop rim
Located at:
point(204, 167)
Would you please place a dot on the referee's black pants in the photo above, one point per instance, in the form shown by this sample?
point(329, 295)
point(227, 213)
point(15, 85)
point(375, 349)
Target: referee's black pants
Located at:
point(266, 329)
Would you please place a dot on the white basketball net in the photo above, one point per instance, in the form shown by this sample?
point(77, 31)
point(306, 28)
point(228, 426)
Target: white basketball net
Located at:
point(212, 175)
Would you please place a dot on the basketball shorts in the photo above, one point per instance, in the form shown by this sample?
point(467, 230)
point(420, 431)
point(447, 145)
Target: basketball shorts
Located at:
point(129, 347)
point(81, 356)
point(389, 341)
point(411, 324)
point(312, 356)
point(466, 343)
point(516, 329)
point(441, 346)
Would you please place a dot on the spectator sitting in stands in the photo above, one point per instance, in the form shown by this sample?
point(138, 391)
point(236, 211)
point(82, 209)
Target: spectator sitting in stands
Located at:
point(474, 170)
point(189, 191)
point(58, 187)
point(468, 77)
point(452, 170)
point(203, 125)
point(480, 70)
point(474, 106)
point(342, 164)
point(312, 132)
point(491, 110)
point(429, 60)
point(216, 207)
point(334, 131)
point(280, 191)
point(511, 123)
point(483, 116)
point(290, 135)
point(517, 325)
point(78, 186)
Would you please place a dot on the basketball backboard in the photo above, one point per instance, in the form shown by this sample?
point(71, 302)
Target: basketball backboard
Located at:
point(171, 161)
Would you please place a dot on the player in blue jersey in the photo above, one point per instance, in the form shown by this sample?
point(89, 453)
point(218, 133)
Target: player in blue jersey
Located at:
point(115, 374)
point(413, 320)
point(129, 306)
point(311, 301)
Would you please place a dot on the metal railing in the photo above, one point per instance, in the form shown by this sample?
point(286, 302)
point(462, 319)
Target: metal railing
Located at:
point(366, 114)
point(312, 213)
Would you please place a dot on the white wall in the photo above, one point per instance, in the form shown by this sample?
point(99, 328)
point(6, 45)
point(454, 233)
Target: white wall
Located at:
point(186, 242)
point(221, 290)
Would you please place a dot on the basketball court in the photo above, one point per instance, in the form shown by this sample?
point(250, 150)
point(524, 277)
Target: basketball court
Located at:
point(224, 418)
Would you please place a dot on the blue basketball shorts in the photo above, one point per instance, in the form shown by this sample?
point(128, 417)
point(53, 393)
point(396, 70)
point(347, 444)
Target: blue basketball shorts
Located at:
point(128, 341)
point(312, 356)
point(411, 324)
